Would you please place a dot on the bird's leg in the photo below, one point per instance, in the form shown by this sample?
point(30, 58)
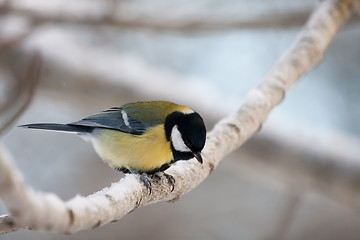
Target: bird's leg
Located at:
point(144, 179)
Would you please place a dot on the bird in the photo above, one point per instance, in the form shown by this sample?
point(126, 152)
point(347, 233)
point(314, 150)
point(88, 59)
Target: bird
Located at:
point(143, 138)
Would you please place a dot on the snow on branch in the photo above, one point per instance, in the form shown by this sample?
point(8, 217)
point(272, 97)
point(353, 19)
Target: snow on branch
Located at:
point(29, 208)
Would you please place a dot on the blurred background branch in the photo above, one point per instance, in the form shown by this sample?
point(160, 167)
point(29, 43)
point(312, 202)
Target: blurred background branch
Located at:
point(195, 22)
point(19, 98)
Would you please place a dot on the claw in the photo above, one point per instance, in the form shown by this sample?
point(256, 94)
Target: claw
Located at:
point(171, 180)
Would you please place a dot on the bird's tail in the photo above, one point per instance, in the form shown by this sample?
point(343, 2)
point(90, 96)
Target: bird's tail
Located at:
point(59, 127)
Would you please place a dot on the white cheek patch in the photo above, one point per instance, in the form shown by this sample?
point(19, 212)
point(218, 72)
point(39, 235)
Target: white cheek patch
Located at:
point(177, 140)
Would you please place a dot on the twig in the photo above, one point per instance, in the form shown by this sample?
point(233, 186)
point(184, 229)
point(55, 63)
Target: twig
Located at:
point(25, 92)
point(30, 208)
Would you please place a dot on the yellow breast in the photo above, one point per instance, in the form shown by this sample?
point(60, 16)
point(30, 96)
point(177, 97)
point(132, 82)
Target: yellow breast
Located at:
point(143, 153)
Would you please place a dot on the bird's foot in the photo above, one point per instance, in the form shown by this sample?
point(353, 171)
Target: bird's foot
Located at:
point(144, 178)
point(170, 179)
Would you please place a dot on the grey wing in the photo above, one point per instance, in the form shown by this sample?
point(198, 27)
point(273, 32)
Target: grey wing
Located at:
point(116, 119)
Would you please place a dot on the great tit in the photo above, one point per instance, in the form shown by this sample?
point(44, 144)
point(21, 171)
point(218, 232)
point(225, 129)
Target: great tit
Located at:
point(141, 137)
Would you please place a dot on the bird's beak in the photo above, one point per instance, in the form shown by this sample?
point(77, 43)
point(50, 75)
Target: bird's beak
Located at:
point(198, 157)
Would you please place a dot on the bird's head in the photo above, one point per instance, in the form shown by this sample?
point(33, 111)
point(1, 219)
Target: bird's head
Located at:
point(186, 133)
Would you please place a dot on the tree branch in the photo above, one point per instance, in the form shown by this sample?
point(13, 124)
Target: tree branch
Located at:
point(7, 225)
point(30, 208)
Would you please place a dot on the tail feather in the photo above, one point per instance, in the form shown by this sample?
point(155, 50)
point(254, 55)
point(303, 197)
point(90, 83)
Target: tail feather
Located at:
point(59, 127)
